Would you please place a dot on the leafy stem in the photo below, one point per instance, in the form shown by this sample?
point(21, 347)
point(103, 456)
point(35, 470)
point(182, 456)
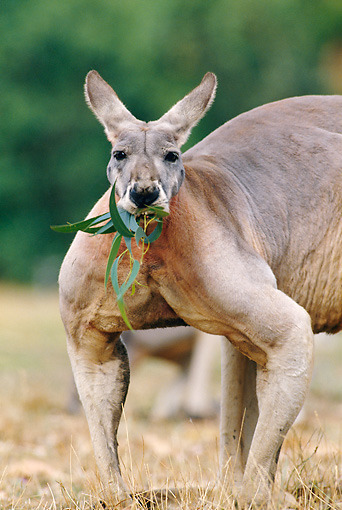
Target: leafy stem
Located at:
point(125, 226)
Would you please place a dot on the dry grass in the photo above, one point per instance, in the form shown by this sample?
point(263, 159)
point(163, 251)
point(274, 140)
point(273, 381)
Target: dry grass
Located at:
point(46, 458)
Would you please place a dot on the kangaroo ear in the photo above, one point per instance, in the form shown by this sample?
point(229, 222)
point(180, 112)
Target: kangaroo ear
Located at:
point(106, 105)
point(185, 114)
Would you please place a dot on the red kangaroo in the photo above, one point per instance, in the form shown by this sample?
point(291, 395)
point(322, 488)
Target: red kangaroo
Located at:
point(251, 251)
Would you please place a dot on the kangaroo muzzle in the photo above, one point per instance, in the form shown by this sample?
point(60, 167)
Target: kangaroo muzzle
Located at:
point(143, 197)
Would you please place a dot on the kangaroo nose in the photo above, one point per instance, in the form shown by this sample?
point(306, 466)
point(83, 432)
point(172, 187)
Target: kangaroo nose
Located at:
point(143, 197)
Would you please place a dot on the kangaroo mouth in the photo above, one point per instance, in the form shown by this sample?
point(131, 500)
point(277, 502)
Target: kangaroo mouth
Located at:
point(139, 204)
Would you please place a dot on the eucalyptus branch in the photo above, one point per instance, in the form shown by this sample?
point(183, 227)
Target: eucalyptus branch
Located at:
point(126, 227)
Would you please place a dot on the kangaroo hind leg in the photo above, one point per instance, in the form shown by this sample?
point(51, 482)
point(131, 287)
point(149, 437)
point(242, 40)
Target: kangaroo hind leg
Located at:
point(239, 410)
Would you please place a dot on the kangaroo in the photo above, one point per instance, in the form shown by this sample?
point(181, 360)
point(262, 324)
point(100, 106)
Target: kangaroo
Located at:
point(251, 251)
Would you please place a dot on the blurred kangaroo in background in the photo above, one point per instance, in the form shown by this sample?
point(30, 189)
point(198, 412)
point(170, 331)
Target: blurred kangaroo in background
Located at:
point(189, 392)
point(251, 251)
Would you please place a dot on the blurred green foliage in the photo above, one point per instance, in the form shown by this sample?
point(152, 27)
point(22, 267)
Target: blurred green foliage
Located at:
point(53, 152)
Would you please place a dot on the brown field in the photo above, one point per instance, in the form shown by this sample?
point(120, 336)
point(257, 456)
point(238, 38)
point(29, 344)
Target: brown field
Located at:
point(46, 459)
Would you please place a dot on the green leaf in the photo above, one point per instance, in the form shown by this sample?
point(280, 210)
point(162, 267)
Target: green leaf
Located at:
point(133, 225)
point(120, 291)
point(158, 211)
point(121, 307)
point(84, 225)
point(114, 276)
point(116, 217)
point(139, 234)
point(112, 255)
point(134, 272)
point(73, 227)
point(128, 241)
point(125, 216)
point(99, 219)
point(108, 228)
point(156, 233)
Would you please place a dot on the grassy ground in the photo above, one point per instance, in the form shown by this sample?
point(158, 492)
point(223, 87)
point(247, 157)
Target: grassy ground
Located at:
point(46, 458)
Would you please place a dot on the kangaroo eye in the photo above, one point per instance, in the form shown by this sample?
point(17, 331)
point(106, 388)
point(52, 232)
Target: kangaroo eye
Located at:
point(119, 155)
point(171, 157)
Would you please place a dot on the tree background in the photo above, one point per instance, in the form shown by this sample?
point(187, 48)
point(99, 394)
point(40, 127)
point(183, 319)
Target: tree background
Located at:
point(53, 153)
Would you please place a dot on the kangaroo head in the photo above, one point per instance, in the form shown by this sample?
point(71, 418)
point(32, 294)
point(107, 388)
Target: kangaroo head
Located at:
point(146, 161)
